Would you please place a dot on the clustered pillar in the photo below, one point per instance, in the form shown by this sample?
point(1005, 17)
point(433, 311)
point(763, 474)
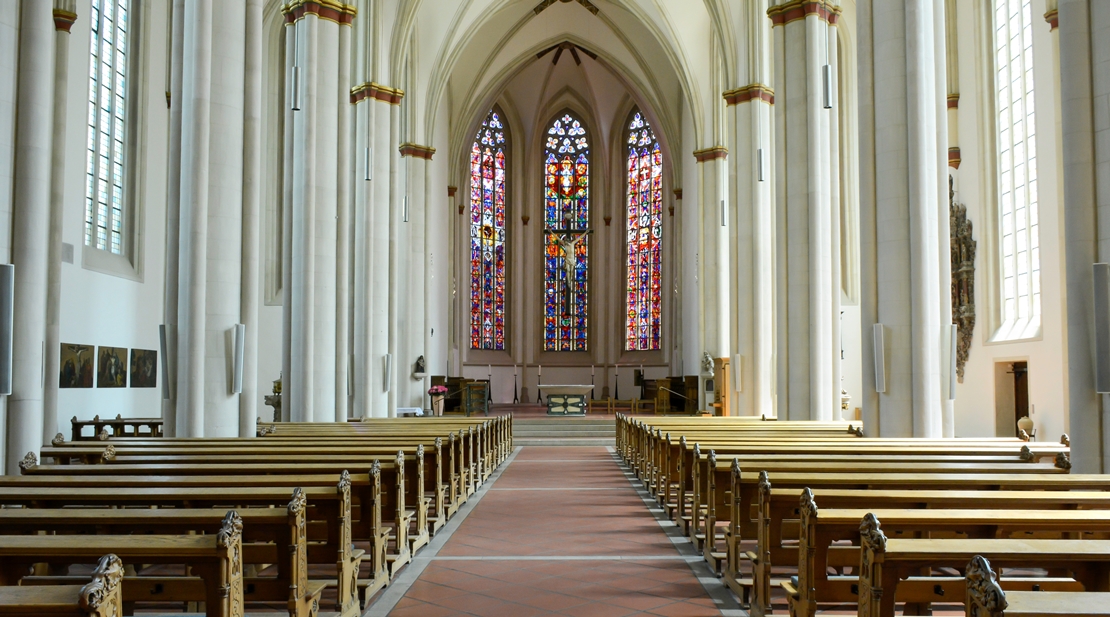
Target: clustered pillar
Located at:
point(807, 210)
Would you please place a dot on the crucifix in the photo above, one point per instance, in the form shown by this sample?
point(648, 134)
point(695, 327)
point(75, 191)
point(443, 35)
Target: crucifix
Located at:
point(568, 240)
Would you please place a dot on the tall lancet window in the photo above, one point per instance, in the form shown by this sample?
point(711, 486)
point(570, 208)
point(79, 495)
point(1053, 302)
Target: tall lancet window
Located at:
point(1017, 166)
point(107, 121)
point(644, 236)
point(488, 163)
point(566, 244)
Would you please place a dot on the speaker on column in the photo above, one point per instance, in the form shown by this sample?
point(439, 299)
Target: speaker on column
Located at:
point(1102, 328)
point(165, 345)
point(878, 336)
point(952, 330)
point(240, 332)
point(7, 314)
point(737, 382)
point(387, 371)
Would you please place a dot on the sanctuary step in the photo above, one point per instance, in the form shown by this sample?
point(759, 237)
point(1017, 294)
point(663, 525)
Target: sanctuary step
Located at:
point(570, 431)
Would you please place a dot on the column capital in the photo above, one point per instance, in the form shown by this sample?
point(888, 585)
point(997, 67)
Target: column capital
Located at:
point(420, 152)
point(1053, 19)
point(954, 157)
point(64, 20)
point(678, 194)
point(330, 10)
point(782, 14)
point(954, 100)
point(710, 154)
point(748, 93)
point(451, 190)
point(376, 91)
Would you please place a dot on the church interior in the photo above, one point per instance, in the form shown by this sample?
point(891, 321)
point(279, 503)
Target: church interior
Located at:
point(554, 307)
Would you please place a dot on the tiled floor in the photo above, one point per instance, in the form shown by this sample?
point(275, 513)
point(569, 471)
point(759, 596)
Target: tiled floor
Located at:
point(561, 532)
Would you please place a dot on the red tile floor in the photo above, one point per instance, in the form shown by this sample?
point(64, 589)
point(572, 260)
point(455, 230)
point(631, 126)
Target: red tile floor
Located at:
point(560, 532)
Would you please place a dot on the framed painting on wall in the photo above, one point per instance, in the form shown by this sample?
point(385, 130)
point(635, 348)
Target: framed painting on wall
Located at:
point(111, 371)
point(144, 368)
point(76, 370)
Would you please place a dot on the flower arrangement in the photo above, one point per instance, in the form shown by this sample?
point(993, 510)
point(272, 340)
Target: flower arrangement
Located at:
point(437, 390)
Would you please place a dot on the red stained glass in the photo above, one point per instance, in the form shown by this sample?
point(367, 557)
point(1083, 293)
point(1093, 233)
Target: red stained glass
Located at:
point(487, 235)
point(644, 237)
point(566, 206)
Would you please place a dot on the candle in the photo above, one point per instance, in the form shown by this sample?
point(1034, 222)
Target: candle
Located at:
point(591, 370)
point(616, 369)
point(489, 370)
point(514, 370)
point(539, 370)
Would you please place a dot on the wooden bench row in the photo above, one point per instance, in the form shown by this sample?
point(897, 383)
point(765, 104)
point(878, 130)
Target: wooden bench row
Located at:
point(413, 477)
point(998, 492)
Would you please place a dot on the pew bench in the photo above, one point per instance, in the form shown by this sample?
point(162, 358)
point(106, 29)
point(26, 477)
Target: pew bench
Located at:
point(216, 559)
point(885, 563)
point(821, 528)
point(986, 598)
point(330, 509)
point(99, 597)
point(270, 536)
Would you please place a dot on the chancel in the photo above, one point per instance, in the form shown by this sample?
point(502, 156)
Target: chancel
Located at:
point(408, 307)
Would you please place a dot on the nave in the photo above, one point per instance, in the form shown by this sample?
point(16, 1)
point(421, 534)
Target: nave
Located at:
point(560, 531)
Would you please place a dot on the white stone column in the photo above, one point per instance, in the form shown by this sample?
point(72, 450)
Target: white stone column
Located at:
point(172, 255)
point(383, 104)
point(416, 159)
point(223, 252)
point(195, 120)
point(345, 177)
point(809, 282)
point(30, 225)
point(252, 218)
point(900, 204)
point(1083, 80)
point(715, 277)
point(324, 178)
point(751, 108)
point(363, 273)
point(394, 269)
point(947, 425)
point(64, 16)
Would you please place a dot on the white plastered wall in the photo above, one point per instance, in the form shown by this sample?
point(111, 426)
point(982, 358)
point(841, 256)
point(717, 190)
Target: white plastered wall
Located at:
point(976, 182)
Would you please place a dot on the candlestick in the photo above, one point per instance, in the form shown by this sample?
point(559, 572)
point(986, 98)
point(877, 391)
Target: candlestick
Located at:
point(539, 370)
point(591, 370)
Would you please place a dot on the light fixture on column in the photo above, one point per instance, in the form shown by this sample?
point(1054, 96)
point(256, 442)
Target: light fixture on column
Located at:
point(367, 169)
point(760, 174)
point(759, 163)
point(826, 71)
point(405, 209)
point(295, 73)
point(1101, 287)
point(7, 326)
point(724, 214)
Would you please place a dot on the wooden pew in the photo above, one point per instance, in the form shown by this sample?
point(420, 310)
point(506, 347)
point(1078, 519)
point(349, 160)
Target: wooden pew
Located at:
point(331, 506)
point(886, 562)
point(217, 559)
point(100, 597)
point(986, 598)
point(820, 528)
point(117, 427)
point(271, 536)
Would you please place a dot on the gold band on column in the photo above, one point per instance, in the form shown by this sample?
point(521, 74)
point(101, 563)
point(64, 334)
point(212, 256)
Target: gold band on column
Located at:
point(783, 14)
point(64, 20)
point(710, 154)
point(420, 152)
point(371, 90)
point(748, 93)
point(330, 10)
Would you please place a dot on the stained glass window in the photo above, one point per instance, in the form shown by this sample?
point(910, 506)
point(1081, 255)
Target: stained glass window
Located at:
point(487, 235)
point(566, 210)
point(105, 164)
point(644, 235)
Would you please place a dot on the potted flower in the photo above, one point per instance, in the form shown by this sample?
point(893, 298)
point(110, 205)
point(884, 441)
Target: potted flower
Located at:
point(437, 393)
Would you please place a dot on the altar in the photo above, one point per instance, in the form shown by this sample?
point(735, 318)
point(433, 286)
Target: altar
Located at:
point(566, 400)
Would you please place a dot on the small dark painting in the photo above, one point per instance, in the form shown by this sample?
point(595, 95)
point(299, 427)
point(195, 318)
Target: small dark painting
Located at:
point(111, 372)
point(144, 368)
point(76, 369)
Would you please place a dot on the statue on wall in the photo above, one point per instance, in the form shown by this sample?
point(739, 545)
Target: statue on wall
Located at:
point(421, 367)
point(963, 278)
point(707, 365)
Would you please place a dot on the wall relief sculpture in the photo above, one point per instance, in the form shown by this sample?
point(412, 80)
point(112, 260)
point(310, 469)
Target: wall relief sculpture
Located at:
point(963, 278)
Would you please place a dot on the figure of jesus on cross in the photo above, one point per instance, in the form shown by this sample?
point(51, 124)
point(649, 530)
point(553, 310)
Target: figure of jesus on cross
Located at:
point(568, 240)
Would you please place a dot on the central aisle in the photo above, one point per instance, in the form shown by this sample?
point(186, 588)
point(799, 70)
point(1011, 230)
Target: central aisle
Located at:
point(562, 531)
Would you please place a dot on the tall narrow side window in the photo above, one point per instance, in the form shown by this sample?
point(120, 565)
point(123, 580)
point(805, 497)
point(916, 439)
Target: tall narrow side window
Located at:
point(566, 246)
point(644, 221)
point(1017, 167)
point(107, 121)
point(488, 159)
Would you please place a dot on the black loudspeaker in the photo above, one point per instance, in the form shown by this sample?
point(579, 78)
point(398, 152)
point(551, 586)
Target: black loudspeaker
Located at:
point(7, 311)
